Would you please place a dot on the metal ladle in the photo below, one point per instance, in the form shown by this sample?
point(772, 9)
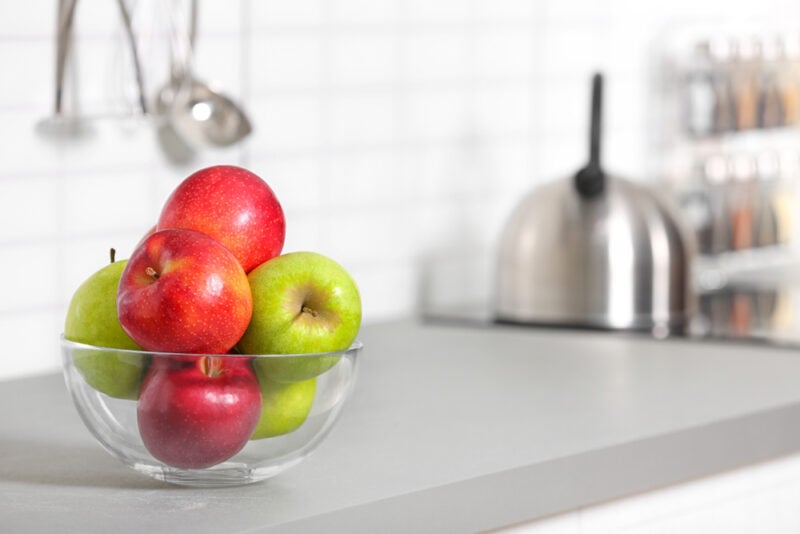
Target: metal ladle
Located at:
point(199, 114)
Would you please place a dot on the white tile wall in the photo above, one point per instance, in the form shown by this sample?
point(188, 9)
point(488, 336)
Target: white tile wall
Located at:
point(398, 133)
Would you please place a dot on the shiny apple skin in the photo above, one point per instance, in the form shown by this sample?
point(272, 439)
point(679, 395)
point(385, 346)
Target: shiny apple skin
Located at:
point(194, 414)
point(183, 291)
point(232, 205)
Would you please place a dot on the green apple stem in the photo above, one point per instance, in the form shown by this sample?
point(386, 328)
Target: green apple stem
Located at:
point(309, 311)
point(112, 253)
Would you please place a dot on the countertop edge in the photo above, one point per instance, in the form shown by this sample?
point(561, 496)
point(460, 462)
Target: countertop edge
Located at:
point(574, 482)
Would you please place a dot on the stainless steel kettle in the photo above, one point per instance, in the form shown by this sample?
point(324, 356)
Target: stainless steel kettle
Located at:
point(596, 251)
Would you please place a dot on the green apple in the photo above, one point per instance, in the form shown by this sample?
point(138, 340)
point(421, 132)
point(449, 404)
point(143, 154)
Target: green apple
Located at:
point(303, 302)
point(92, 320)
point(284, 406)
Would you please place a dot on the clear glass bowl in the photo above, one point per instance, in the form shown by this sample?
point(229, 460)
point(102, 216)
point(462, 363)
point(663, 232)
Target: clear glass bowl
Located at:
point(118, 392)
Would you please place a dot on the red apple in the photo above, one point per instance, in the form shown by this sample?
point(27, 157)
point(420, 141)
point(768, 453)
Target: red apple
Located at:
point(195, 412)
point(183, 291)
point(232, 205)
point(150, 232)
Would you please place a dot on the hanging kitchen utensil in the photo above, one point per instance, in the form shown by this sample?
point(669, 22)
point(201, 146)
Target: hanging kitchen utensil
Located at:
point(595, 251)
point(127, 24)
point(60, 124)
point(70, 125)
point(174, 146)
point(200, 114)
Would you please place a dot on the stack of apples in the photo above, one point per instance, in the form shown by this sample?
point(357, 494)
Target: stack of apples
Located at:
point(206, 290)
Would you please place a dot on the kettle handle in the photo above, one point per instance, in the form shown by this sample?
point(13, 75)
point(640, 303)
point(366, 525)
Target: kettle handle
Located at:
point(590, 180)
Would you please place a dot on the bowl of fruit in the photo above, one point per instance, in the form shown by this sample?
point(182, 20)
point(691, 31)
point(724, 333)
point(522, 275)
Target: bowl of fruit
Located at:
point(209, 358)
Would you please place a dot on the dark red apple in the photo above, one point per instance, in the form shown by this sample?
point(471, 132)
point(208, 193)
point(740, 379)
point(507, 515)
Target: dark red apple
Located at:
point(183, 291)
point(195, 412)
point(232, 205)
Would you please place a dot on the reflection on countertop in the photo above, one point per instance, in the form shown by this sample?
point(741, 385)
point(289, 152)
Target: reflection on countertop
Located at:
point(744, 311)
point(751, 312)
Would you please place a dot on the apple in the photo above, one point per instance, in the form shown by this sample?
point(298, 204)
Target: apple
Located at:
point(303, 302)
point(144, 237)
point(92, 320)
point(183, 291)
point(195, 412)
point(284, 406)
point(232, 205)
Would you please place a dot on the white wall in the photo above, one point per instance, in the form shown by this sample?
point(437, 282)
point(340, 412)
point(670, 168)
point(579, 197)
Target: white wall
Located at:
point(397, 133)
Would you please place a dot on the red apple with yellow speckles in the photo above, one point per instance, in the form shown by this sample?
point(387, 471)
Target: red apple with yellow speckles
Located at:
point(234, 206)
point(183, 291)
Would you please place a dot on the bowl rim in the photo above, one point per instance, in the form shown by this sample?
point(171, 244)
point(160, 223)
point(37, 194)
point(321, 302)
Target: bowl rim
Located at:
point(354, 348)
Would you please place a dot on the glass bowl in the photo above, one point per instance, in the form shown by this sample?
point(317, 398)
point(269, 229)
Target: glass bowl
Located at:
point(189, 418)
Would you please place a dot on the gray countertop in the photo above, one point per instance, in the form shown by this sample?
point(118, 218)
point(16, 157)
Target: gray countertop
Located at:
point(449, 429)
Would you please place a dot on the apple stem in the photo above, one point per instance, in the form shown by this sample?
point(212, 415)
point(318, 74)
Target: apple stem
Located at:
point(112, 253)
point(310, 311)
point(210, 366)
point(151, 273)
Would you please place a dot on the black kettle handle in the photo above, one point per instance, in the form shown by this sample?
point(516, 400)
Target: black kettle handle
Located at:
point(590, 180)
